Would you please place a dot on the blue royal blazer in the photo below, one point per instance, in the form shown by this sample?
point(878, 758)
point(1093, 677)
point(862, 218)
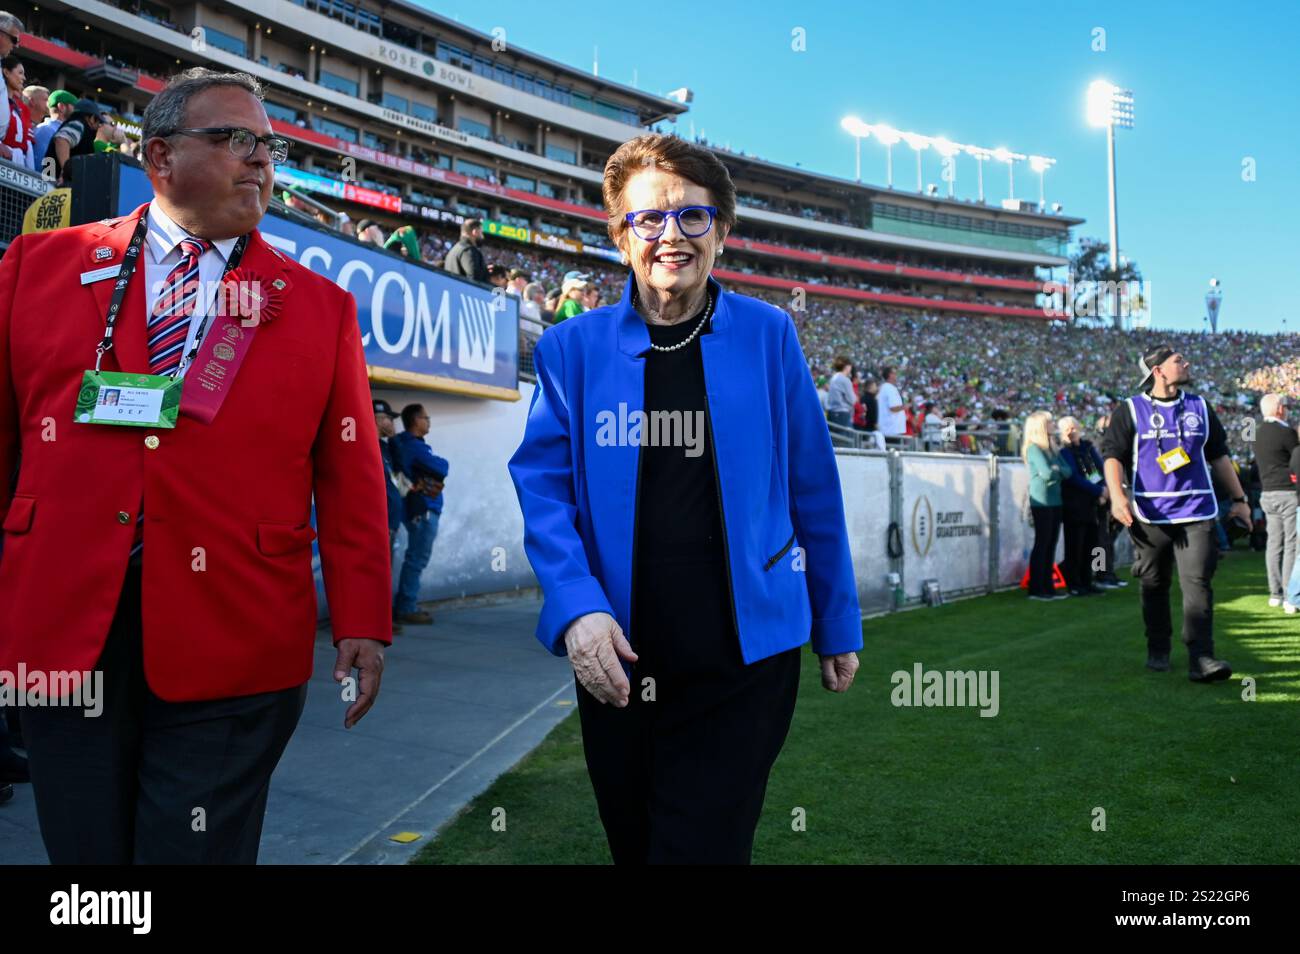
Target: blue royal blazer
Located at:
point(783, 518)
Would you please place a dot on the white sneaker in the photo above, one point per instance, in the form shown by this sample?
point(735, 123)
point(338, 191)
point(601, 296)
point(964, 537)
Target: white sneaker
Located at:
point(1274, 601)
point(1289, 608)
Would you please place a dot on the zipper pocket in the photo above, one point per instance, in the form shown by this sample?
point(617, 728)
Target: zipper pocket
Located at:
point(784, 550)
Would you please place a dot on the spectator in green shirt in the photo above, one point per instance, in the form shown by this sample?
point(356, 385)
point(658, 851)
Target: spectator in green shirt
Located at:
point(571, 299)
point(405, 242)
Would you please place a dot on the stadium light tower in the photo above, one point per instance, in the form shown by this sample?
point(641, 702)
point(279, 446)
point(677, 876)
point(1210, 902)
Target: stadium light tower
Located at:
point(1112, 107)
point(1041, 164)
point(947, 150)
point(889, 137)
point(1003, 154)
point(859, 131)
point(917, 143)
point(979, 155)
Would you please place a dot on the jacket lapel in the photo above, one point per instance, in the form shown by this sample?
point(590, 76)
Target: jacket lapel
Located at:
point(128, 351)
point(264, 264)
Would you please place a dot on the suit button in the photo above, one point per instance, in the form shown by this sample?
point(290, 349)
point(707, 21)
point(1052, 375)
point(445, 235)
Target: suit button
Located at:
point(151, 442)
point(123, 517)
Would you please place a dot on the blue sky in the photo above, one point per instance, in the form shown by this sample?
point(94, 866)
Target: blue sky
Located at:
point(1214, 85)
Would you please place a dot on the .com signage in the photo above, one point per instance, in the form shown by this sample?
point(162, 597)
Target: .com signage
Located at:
point(421, 328)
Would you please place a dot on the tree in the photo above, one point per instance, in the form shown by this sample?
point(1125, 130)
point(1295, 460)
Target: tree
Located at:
point(1099, 293)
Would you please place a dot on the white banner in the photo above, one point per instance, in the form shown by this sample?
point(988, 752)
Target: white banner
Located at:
point(945, 522)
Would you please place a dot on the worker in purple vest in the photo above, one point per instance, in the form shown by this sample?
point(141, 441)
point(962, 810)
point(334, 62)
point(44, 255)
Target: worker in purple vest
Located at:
point(1170, 447)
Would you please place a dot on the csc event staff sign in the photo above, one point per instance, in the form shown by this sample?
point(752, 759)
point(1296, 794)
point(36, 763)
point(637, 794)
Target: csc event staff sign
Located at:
point(421, 328)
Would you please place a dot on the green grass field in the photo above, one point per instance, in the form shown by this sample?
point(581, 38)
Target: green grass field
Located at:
point(1185, 773)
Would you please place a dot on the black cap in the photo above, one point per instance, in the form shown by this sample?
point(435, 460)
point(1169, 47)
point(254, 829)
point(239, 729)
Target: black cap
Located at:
point(1148, 362)
point(383, 407)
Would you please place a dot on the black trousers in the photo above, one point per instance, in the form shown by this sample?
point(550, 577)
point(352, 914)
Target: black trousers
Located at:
point(1047, 530)
point(1080, 541)
point(680, 773)
point(1107, 529)
point(1195, 550)
point(154, 782)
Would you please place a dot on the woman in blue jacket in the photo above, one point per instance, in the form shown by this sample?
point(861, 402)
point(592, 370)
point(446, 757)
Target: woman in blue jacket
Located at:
point(682, 513)
point(1081, 494)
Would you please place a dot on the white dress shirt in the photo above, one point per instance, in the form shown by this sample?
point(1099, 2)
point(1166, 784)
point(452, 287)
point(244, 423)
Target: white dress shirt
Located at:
point(162, 252)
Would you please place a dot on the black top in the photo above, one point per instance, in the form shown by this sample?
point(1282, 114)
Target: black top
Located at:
point(677, 500)
point(872, 408)
point(1273, 445)
point(467, 260)
point(1117, 442)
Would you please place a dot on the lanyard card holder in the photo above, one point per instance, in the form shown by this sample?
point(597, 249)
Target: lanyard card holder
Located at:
point(128, 399)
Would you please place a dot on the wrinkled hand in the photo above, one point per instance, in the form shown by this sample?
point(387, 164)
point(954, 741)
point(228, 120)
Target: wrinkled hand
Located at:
point(838, 671)
point(595, 644)
point(1120, 511)
point(367, 657)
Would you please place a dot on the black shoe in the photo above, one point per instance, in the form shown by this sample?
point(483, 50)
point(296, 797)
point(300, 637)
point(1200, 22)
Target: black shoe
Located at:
point(13, 768)
point(1209, 669)
point(1097, 588)
point(1158, 662)
point(6, 793)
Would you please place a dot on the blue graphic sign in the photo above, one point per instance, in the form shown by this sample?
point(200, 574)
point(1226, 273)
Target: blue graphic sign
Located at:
point(421, 327)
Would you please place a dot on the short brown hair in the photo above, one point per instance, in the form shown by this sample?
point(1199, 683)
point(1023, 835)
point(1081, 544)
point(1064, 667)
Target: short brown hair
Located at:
point(840, 363)
point(674, 155)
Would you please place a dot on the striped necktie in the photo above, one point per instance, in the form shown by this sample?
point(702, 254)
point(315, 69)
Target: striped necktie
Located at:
point(169, 326)
point(169, 322)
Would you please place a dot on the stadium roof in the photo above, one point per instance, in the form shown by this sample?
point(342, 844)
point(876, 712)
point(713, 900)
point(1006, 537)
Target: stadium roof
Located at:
point(795, 177)
point(668, 107)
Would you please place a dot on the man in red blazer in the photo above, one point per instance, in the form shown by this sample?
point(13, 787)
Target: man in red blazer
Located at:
point(173, 564)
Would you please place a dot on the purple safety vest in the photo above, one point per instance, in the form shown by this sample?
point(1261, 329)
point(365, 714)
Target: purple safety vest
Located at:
point(1186, 494)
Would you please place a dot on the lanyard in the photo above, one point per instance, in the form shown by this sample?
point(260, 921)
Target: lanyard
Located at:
point(130, 262)
point(1178, 414)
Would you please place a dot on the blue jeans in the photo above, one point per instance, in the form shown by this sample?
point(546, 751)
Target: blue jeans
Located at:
point(1293, 585)
point(420, 535)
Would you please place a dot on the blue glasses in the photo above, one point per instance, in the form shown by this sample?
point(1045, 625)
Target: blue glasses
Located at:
point(692, 221)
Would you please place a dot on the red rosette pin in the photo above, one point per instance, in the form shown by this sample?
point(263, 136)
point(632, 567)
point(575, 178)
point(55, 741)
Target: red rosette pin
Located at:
point(249, 298)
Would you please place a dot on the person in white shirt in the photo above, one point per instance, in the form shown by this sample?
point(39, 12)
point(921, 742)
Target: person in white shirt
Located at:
point(893, 422)
point(933, 427)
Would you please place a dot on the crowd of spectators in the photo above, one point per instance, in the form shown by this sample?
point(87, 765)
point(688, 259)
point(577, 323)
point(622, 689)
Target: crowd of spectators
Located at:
point(947, 367)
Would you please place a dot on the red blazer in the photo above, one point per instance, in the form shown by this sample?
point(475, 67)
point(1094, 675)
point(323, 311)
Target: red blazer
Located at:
point(238, 616)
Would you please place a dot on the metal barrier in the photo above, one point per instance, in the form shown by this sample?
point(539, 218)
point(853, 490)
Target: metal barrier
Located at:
point(19, 187)
point(959, 519)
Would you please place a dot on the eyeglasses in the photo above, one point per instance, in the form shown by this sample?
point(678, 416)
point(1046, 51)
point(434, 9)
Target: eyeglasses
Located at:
point(692, 221)
point(17, 40)
point(243, 142)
